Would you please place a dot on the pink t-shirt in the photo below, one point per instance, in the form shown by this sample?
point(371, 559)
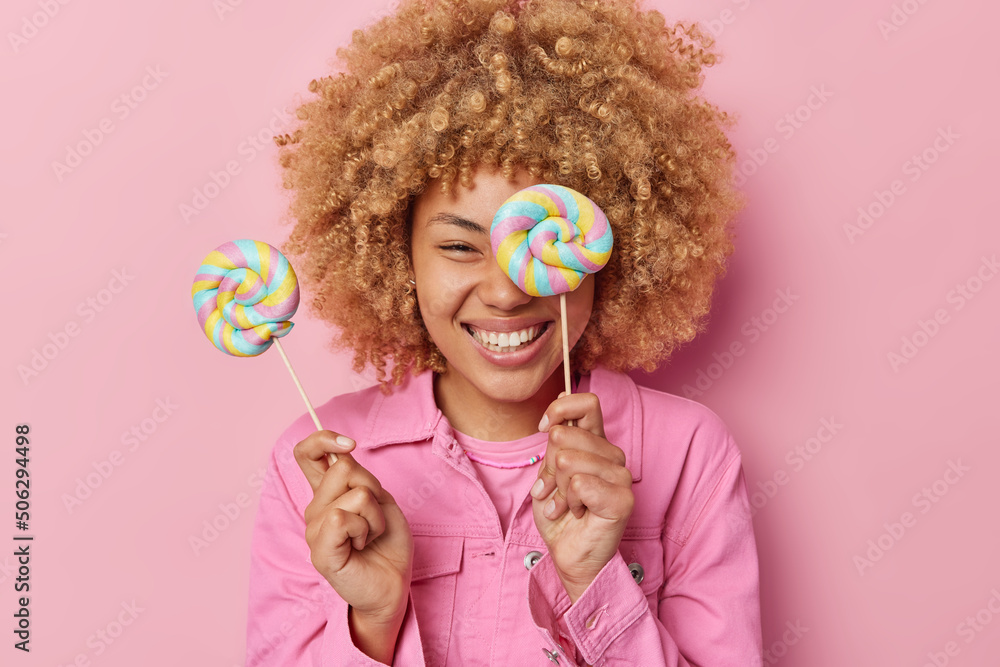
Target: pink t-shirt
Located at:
point(506, 487)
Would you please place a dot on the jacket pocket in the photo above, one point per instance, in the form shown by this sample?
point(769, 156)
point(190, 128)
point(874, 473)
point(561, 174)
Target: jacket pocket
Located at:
point(437, 560)
point(644, 557)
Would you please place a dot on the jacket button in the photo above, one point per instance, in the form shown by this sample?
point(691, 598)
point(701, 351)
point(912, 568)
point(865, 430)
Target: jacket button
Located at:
point(551, 655)
point(531, 558)
point(637, 572)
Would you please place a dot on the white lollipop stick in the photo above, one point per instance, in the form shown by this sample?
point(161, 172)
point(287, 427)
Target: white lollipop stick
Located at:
point(565, 341)
point(312, 413)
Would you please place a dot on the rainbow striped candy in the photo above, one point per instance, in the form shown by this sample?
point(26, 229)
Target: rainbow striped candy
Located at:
point(547, 237)
point(244, 293)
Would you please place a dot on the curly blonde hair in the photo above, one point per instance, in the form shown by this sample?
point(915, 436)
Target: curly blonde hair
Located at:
point(596, 95)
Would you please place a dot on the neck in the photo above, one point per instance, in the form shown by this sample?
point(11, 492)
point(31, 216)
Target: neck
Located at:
point(471, 412)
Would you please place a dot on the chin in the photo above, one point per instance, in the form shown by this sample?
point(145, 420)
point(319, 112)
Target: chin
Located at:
point(511, 391)
point(504, 385)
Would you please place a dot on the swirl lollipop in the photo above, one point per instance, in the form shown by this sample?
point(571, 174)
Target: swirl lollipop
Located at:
point(245, 293)
point(546, 238)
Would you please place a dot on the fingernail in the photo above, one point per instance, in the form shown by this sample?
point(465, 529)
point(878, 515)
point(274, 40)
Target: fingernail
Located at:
point(550, 508)
point(561, 394)
point(544, 424)
point(344, 441)
point(536, 490)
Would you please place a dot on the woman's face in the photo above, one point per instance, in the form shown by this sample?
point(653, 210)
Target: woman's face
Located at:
point(464, 294)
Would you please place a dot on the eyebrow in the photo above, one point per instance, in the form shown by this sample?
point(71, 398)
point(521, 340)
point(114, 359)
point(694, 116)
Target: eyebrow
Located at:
point(452, 219)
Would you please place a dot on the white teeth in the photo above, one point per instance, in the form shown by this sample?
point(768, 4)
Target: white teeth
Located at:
point(506, 341)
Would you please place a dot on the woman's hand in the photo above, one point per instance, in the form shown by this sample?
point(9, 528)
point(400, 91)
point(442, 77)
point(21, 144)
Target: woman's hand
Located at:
point(358, 537)
point(585, 477)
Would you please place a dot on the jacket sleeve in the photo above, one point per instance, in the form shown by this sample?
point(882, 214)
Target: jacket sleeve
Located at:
point(709, 607)
point(295, 618)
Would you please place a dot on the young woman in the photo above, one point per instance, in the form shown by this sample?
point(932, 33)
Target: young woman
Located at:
point(465, 521)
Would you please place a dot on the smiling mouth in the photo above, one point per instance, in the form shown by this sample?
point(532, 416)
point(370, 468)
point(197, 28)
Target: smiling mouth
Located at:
point(508, 341)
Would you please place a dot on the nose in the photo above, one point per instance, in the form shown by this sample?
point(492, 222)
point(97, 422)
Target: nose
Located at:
point(496, 289)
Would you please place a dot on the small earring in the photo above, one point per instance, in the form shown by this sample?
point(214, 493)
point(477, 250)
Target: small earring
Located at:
point(411, 281)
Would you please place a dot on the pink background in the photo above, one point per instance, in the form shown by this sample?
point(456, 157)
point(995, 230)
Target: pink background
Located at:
point(826, 357)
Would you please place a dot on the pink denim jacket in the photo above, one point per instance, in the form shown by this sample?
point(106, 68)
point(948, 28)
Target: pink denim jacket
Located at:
point(682, 590)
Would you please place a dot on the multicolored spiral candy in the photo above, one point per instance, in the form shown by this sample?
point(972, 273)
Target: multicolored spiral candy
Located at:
point(244, 293)
point(547, 237)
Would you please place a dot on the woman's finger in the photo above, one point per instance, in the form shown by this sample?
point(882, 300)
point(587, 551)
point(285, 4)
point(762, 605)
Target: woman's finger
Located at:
point(572, 463)
point(583, 409)
point(330, 538)
point(594, 494)
point(312, 452)
point(563, 437)
point(361, 501)
point(342, 476)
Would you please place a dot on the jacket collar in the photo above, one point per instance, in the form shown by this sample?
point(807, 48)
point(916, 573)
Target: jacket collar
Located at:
point(410, 414)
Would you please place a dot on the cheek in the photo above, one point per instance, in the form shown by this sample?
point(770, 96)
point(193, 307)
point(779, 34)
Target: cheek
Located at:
point(580, 305)
point(443, 295)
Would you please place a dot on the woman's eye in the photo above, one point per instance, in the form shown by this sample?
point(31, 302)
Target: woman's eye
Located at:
point(457, 246)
